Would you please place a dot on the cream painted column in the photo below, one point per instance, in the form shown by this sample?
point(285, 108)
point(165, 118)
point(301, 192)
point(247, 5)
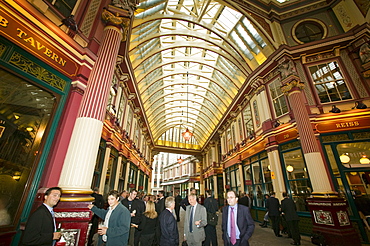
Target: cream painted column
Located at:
point(137, 180)
point(118, 172)
point(215, 187)
point(241, 177)
point(103, 175)
point(125, 186)
point(78, 167)
point(319, 177)
point(276, 172)
point(263, 105)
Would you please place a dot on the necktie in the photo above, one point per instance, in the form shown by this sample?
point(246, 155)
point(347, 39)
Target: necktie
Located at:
point(52, 214)
point(232, 227)
point(191, 220)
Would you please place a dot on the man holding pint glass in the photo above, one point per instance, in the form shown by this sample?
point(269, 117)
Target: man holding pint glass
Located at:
point(116, 227)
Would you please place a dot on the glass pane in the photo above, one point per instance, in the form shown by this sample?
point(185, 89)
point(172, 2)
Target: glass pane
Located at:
point(259, 195)
point(266, 170)
point(294, 165)
point(354, 155)
point(256, 173)
point(25, 112)
point(301, 190)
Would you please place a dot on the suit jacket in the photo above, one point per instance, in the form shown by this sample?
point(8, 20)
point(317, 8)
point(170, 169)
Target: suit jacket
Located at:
point(159, 206)
point(211, 205)
point(200, 213)
point(184, 203)
point(39, 228)
point(244, 222)
point(273, 206)
point(137, 205)
point(169, 231)
point(118, 226)
point(289, 209)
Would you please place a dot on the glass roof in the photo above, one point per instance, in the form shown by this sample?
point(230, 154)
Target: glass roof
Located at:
point(190, 58)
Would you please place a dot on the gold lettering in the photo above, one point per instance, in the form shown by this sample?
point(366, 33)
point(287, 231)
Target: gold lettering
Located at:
point(40, 46)
point(62, 62)
point(48, 52)
point(347, 124)
point(30, 40)
point(21, 33)
point(54, 57)
point(3, 22)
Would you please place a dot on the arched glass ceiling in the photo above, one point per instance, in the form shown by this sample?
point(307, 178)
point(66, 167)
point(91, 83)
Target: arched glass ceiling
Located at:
point(190, 58)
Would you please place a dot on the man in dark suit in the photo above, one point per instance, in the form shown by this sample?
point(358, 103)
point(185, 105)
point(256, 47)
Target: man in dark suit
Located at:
point(178, 199)
point(237, 222)
point(273, 209)
point(41, 228)
point(289, 212)
point(211, 206)
point(168, 225)
point(99, 203)
point(136, 208)
point(159, 206)
point(245, 200)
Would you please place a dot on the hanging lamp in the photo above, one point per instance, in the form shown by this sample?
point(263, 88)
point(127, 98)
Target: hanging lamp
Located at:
point(187, 134)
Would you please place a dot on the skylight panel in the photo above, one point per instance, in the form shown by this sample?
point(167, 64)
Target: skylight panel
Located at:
point(245, 35)
point(151, 11)
point(254, 32)
point(235, 37)
point(227, 19)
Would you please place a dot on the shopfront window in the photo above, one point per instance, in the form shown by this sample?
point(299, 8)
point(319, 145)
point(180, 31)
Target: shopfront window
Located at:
point(298, 180)
point(257, 177)
point(25, 113)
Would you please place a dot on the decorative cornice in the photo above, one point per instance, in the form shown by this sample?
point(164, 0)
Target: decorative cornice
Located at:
point(116, 20)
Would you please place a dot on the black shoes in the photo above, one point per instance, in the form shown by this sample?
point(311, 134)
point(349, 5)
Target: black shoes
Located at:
point(279, 235)
point(294, 243)
point(264, 224)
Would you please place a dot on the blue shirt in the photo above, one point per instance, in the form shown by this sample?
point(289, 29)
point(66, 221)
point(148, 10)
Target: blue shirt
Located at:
point(235, 220)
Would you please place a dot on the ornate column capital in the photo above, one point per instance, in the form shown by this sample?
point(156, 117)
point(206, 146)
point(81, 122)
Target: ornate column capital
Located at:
point(291, 83)
point(115, 19)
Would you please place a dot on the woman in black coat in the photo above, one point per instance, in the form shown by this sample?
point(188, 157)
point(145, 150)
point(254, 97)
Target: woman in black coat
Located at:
point(148, 225)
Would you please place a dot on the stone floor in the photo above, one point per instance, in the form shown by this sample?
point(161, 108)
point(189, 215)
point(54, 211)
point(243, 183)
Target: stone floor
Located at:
point(260, 237)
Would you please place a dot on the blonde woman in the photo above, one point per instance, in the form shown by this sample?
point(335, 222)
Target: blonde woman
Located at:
point(148, 225)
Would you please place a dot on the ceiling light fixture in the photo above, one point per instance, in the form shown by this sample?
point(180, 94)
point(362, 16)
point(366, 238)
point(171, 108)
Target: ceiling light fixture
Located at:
point(344, 158)
point(364, 160)
point(187, 134)
point(290, 168)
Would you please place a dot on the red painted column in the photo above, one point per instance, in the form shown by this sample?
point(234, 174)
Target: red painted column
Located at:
point(329, 213)
point(79, 163)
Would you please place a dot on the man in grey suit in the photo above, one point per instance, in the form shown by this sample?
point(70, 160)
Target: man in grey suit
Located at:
point(195, 221)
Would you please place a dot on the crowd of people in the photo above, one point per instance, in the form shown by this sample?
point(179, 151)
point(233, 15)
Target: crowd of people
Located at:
point(133, 218)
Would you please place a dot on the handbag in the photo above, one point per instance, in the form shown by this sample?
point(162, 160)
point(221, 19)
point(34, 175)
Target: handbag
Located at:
point(212, 218)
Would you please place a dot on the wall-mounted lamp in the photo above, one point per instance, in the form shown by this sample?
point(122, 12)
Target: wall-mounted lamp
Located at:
point(16, 176)
point(344, 158)
point(180, 160)
point(359, 105)
point(335, 109)
point(277, 123)
point(364, 160)
point(29, 128)
point(290, 168)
